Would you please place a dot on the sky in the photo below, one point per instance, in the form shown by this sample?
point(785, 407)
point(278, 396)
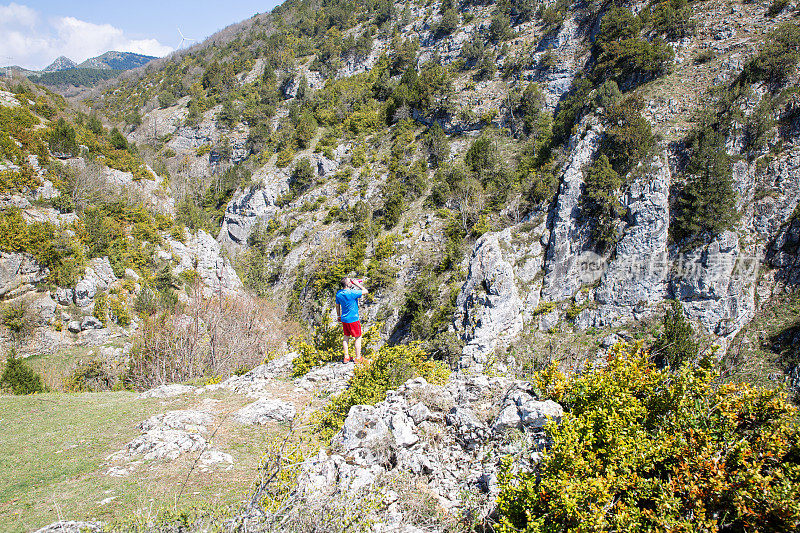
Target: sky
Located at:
point(35, 32)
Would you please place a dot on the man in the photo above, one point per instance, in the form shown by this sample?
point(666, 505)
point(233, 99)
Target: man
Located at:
point(347, 309)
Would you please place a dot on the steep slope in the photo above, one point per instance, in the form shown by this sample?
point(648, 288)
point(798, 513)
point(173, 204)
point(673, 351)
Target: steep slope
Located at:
point(341, 95)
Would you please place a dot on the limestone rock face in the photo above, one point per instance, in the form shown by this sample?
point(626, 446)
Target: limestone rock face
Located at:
point(489, 300)
point(501, 291)
point(571, 261)
point(19, 273)
point(97, 277)
point(202, 253)
point(717, 285)
point(640, 268)
point(254, 204)
point(784, 253)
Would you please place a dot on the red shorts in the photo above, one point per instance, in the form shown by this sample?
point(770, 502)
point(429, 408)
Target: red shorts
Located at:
point(352, 329)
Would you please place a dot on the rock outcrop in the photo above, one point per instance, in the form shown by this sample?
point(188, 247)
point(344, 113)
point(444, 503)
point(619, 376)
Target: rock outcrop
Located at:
point(203, 254)
point(449, 439)
point(19, 273)
point(571, 261)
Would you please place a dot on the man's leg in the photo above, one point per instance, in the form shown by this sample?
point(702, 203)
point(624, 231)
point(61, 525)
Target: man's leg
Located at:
point(346, 354)
point(358, 349)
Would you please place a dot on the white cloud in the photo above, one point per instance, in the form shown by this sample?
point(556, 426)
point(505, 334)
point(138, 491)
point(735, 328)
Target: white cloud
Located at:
point(32, 42)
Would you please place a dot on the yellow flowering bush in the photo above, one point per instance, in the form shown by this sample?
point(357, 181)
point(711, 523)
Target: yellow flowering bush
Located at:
point(643, 449)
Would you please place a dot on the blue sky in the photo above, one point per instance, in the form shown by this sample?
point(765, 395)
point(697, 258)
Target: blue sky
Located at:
point(35, 32)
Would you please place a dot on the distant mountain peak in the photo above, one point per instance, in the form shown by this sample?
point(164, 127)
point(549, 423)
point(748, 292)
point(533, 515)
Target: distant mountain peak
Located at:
point(61, 63)
point(117, 61)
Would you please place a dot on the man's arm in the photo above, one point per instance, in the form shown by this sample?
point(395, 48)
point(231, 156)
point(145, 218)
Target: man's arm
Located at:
point(359, 286)
point(339, 311)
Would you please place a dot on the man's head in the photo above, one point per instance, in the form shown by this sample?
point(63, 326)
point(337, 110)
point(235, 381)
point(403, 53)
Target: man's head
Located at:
point(345, 283)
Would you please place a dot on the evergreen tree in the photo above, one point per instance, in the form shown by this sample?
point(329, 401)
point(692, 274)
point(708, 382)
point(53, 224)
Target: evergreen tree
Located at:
point(601, 203)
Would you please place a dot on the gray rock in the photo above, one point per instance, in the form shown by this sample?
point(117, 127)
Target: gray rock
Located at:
point(90, 322)
point(419, 413)
point(536, 414)
point(97, 277)
point(74, 326)
point(65, 296)
point(19, 273)
point(203, 254)
point(571, 262)
point(186, 420)
point(164, 443)
point(489, 303)
point(469, 429)
point(72, 526)
point(265, 410)
point(365, 436)
point(641, 266)
point(403, 430)
point(45, 308)
point(508, 418)
point(167, 391)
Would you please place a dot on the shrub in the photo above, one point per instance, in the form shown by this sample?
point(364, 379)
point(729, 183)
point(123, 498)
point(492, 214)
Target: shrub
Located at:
point(94, 376)
point(642, 449)
point(117, 140)
point(448, 23)
point(706, 203)
point(391, 366)
point(676, 346)
point(600, 201)
point(100, 311)
point(62, 138)
point(18, 319)
point(20, 378)
point(302, 177)
point(629, 138)
point(500, 27)
point(778, 57)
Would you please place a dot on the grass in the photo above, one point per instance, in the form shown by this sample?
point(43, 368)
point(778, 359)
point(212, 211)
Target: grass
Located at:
point(54, 449)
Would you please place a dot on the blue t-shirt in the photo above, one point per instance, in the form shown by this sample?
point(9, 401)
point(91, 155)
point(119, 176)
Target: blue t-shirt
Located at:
point(348, 301)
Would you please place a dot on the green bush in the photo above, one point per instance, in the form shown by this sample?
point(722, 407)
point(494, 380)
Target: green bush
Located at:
point(391, 366)
point(676, 346)
point(600, 201)
point(117, 140)
point(778, 57)
point(643, 449)
point(19, 378)
point(62, 138)
point(706, 204)
point(629, 138)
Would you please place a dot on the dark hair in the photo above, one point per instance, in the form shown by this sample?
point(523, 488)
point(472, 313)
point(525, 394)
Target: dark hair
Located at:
point(344, 282)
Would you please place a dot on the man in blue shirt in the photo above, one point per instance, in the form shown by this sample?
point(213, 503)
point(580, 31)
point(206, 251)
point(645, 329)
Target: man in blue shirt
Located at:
point(347, 309)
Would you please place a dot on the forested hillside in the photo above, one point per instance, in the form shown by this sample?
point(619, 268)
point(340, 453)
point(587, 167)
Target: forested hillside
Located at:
point(578, 225)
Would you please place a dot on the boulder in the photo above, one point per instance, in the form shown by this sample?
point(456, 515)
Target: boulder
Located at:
point(90, 322)
point(536, 414)
point(167, 391)
point(265, 410)
point(74, 326)
point(365, 436)
point(470, 430)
